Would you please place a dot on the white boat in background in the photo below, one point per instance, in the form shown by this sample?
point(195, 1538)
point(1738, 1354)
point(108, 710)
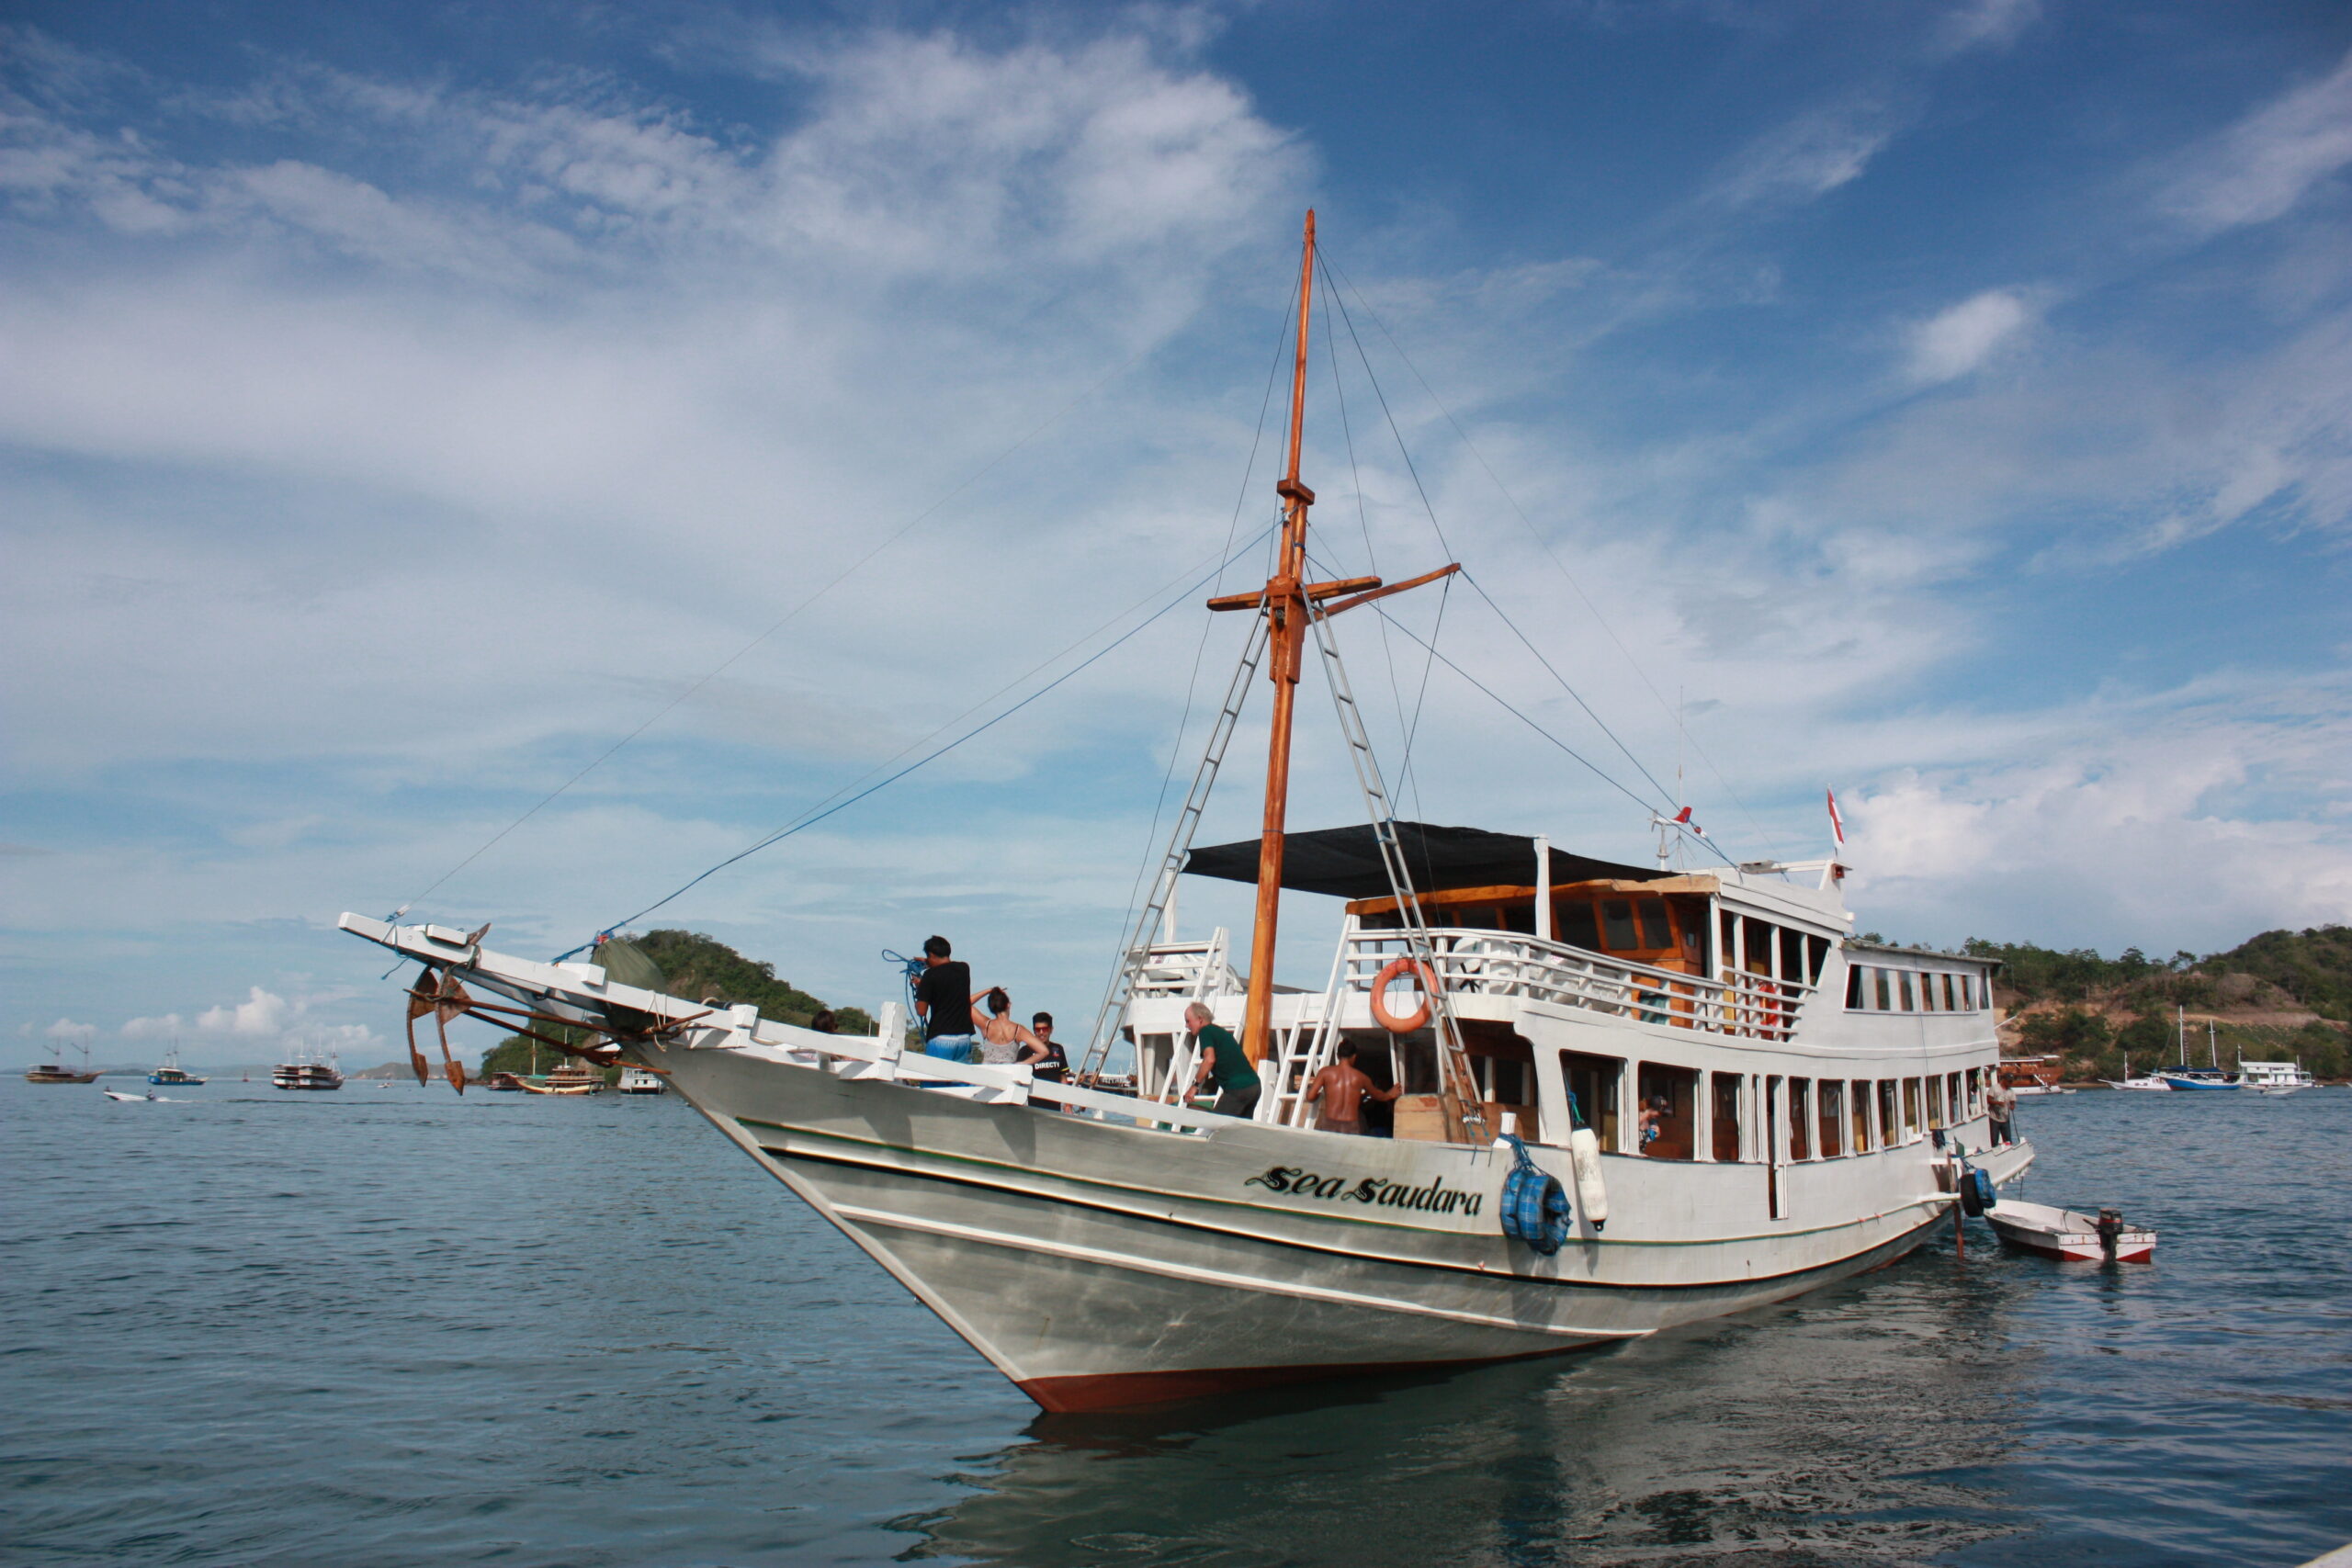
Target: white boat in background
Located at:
point(1631, 1096)
point(2144, 1081)
point(307, 1071)
point(2275, 1079)
point(2062, 1233)
point(637, 1080)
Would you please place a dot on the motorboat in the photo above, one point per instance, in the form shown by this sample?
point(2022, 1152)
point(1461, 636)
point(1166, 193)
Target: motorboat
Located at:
point(637, 1080)
point(172, 1072)
point(2063, 1233)
point(1629, 1096)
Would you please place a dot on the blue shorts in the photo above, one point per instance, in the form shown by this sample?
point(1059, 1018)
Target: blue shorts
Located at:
point(952, 1048)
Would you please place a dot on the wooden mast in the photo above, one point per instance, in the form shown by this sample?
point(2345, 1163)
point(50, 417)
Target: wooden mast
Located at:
point(1286, 601)
point(1286, 640)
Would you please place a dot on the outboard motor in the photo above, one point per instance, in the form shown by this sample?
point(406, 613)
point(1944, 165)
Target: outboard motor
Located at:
point(2110, 1228)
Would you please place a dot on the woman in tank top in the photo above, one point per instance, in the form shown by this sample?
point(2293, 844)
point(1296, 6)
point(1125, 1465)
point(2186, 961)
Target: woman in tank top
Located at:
point(1002, 1040)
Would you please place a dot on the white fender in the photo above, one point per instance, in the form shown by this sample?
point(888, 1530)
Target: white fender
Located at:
point(1592, 1196)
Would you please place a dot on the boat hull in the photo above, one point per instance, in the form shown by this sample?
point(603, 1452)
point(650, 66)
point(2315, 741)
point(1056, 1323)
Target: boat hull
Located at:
point(2074, 1237)
point(1100, 1266)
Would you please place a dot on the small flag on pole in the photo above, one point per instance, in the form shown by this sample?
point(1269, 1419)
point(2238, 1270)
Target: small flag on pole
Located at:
point(1836, 823)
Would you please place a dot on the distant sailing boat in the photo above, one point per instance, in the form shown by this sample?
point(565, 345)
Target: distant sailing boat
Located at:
point(2208, 1076)
point(1744, 1102)
point(2144, 1081)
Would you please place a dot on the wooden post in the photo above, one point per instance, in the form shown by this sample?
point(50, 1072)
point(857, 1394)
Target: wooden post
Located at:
point(1285, 609)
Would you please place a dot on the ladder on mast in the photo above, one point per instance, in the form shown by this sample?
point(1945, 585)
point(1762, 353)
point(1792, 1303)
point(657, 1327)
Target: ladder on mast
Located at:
point(1138, 953)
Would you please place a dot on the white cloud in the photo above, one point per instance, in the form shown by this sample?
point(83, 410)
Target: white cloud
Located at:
point(1989, 24)
point(1958, 339)
point(1810, 155)
point(71, 1032)
point(2180, 819)
point(262, 1012)
point(2262, 166)
point(167, 1026)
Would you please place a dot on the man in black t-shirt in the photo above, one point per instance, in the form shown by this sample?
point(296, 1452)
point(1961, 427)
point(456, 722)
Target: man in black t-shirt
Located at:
point(943, 1002)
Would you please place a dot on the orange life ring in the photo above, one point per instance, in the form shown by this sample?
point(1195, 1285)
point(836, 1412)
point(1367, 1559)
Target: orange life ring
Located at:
point(1419, 1016)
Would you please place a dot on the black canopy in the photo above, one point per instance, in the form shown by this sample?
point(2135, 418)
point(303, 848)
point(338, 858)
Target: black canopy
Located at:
point(1345, 862)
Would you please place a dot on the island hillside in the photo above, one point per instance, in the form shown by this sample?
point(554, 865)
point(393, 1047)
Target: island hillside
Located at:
point(2282, 996)
point(688, 965)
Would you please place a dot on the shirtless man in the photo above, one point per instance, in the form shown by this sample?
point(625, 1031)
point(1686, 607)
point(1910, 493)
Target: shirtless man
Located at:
point(1341, 1089)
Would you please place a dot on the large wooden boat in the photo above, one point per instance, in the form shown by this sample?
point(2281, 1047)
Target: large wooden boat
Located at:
point(1745, 1103)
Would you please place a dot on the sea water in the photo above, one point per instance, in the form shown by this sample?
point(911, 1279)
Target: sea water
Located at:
point(391, 1325)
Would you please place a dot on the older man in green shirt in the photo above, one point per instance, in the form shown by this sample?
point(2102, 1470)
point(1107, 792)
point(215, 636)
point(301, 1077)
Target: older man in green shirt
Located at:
point(1223, 1059)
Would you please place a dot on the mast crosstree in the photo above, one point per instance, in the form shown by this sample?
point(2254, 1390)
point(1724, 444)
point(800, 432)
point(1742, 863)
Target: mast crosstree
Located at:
point(1288, 602)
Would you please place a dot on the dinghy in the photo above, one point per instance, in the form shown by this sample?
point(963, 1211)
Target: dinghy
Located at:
point(2063, 1233)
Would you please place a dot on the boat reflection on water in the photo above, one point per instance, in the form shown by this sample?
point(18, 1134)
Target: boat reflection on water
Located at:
point(1861, 1423)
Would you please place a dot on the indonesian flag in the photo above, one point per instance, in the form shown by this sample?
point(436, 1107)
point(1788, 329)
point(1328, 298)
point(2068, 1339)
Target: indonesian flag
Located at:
point(1836, 823)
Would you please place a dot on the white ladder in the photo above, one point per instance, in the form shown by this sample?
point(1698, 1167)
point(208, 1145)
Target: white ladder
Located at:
point(1454, 1067)
point(1112, 1015)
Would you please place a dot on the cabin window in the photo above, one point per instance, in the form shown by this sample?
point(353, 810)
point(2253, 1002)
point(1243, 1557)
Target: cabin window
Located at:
point(1935, 1104)
point(1617, 925)
point(1726, 1114)
point(1673, 1093)
point(1520, 917)
point(1854, 973)
point(1955, 1108)
point(1975, 1093)
point(1927, 993)
point(1902, 989)
point(1728, 926)
point(1800, 1119)
point(1791, 954)
point(1658, 931)
point(1967, 992)
point(1573, 923)
point(1911, 1108)
point(1506, 1080)
point(1861, 1118)
point(1816, 954)
point(1883, 987)
point(1757, 956)
point(1888, 1116)
point(1593, 1088)
point(1832, 1121)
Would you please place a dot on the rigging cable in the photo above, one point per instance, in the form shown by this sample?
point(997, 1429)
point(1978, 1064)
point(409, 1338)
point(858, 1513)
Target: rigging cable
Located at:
point(846, 573)
point(808, 821)
point(1503, 703)
point(1664, 794)
point(1545, 544)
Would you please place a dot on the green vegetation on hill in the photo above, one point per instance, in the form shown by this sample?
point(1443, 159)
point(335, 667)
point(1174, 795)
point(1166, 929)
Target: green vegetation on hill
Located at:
point(699, 968)
point(2278, 972)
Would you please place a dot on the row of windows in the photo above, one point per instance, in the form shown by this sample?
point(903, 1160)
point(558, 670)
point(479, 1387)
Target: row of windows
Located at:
point(1873, 990)
point(1813, 1119)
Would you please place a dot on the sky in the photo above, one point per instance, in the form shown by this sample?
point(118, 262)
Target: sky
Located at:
point(503, 461)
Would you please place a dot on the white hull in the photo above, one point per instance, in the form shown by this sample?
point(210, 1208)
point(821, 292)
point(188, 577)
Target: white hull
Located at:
point(1098, 1262)
point(1100, 1265)
point(2061, 1233)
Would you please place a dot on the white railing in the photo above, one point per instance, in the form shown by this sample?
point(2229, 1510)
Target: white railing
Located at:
point(1192, 970)
point(1507, 963)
